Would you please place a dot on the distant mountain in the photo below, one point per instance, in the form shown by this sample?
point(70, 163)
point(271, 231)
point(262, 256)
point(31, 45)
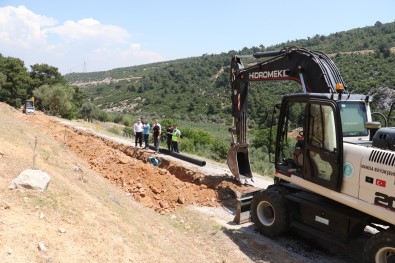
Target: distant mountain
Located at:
point(197, 88)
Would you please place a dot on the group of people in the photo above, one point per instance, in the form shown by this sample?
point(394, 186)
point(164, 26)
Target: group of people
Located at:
point(142, 131)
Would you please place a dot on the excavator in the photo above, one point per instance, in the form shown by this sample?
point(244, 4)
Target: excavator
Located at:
point(337, 181)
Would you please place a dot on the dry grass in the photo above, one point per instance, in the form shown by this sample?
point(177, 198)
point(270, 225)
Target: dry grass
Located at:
point(101, 223)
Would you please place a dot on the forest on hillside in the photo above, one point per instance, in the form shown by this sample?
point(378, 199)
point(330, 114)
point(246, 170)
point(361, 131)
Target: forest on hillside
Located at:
point(198, 89)
point(195, 92)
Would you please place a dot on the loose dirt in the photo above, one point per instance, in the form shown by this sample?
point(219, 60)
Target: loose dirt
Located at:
point(163, 189)
point(107, 203)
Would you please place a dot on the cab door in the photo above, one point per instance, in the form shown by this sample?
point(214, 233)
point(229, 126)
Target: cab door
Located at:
point(323, 152)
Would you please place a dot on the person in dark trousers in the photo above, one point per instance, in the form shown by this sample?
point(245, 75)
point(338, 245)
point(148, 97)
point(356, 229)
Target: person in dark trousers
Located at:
point(156, 134)
point(146, 132)
point(138, 132)
point(169, 133)
point(175, 138)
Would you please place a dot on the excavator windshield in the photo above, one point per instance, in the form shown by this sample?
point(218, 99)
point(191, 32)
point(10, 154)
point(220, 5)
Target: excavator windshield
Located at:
point(354, 117)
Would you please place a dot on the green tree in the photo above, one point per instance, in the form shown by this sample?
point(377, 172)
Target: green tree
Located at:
point(42, 74)
point(89, 111)
point(57, 99)
point(262, 139)
point(385, 49)
point(15, 84)
point(3, 79)
point(78, 96)
point(104, 116)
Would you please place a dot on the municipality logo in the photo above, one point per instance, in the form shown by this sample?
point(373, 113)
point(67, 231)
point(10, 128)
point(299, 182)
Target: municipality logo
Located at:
point(348, 170)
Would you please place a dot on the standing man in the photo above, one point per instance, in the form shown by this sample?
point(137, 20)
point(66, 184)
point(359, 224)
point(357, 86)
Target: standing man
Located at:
point(169, 133)
point(157, 130)
point(138, 132)
point(146, 131)
point(175, 138)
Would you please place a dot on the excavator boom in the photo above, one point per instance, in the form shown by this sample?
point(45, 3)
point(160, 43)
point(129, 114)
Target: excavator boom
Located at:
point(314, 71)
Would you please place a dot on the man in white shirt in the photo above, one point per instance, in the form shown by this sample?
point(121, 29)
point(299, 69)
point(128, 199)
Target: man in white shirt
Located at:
point(138, 132)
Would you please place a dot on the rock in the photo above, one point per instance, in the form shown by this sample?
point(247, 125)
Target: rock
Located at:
point(123, 160)
point(5, 206)
point(77, 168)
point(42, 247)
point(154, 189)
point(164, 204)
point(31, 179)
point(41, 215)
point(180, 200)
point(61, 230)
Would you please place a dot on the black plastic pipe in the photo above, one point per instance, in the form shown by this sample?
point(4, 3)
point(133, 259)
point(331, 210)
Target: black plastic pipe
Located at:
point(181, 156)
point(188, 158)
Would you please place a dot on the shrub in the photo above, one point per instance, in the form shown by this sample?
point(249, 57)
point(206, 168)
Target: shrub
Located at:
point(128, 131)
point(118, 118)
point(126, 120)
point(260, 162)
point(219, 150)
point(197, 136)
point(187, 145)
point(114, 130)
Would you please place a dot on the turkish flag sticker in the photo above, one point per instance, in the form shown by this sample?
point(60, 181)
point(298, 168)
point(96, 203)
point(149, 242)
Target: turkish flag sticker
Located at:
point(380, 182)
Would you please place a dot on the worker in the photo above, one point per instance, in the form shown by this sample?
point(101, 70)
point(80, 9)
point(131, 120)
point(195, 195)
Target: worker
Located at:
point(138, 132)
point(175, 138)
point(157, 130)
point(169, 133)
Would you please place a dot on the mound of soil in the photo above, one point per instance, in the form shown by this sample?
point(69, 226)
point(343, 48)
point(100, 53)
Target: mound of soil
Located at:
point(164, 188)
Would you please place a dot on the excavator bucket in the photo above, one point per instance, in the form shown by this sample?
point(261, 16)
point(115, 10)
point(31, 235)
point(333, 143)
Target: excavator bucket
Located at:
point(239, 162)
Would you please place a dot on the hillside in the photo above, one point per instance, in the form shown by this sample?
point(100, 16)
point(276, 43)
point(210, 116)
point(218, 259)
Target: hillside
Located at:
point(195, 88)
point(99, 221)
point(105, 203)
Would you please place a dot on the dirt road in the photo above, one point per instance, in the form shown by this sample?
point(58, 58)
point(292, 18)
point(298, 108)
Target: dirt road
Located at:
point(187, 210)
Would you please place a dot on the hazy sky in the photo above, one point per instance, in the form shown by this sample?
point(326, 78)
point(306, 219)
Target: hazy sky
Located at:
point(101, 35)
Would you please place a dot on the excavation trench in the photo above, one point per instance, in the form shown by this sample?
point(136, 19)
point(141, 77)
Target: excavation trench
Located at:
point(163, 188)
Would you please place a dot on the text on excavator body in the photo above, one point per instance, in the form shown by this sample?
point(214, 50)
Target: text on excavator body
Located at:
point(268, 74)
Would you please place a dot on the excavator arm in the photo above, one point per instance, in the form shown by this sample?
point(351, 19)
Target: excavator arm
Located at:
point(314, 71)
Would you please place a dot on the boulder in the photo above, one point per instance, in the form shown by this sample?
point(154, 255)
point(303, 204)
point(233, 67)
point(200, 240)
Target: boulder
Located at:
point(31, 179)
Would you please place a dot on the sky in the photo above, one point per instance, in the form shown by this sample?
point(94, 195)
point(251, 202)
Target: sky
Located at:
point(100, 35)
